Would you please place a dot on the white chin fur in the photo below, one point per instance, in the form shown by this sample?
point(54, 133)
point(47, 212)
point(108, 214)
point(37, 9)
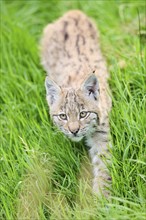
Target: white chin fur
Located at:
point(76, 139)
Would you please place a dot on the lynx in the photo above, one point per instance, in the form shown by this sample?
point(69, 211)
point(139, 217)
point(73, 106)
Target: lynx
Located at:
point(77, 87)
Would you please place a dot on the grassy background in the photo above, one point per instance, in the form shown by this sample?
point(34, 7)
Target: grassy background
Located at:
point(40, 168)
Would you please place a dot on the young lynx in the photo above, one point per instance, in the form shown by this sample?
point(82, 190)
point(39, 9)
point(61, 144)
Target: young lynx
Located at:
point(76, 86)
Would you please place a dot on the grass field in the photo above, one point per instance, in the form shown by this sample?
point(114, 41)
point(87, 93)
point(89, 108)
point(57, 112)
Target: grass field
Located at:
point(40, 168)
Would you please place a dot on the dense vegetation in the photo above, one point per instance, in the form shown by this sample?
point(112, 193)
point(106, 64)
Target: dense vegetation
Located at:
point(40, 168)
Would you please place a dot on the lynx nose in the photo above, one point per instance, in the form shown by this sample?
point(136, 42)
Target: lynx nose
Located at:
point(74, 131)
point(74, 127)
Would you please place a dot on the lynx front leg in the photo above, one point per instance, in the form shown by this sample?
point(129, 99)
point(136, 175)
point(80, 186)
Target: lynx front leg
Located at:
point(99, 153)
point(100, 175)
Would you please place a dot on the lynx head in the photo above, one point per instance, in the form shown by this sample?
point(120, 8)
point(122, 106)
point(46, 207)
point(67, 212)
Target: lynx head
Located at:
point(74, 111)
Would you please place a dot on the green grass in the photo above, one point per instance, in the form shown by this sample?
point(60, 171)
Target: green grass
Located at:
point(40, 168)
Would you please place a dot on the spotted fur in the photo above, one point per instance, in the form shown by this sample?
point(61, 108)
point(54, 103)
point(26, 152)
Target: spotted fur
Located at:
point(76, 86)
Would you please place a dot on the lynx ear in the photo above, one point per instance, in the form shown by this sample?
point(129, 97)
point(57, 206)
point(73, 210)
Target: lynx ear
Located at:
point(52, 90)
point(91, 87)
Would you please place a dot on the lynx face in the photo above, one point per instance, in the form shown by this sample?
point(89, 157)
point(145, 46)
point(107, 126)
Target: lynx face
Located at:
point(72, 110)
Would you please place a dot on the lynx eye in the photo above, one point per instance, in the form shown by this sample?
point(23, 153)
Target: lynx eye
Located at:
point(83, 114)
point(63, 116)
